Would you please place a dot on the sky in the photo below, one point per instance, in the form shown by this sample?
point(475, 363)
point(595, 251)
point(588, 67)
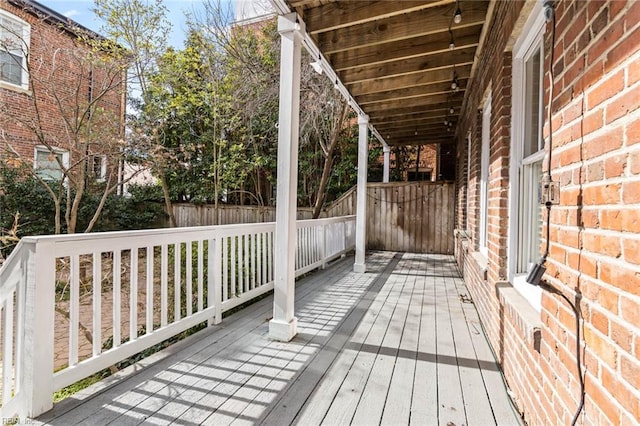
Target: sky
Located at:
point(81, 12)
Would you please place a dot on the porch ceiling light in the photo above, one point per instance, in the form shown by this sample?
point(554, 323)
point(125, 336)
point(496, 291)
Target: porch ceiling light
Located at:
point(457, 16)
point(451, 110)
point(454, 82)
point(317, 67)
point(452, 45)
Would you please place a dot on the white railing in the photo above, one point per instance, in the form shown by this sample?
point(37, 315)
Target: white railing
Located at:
point(72, 305)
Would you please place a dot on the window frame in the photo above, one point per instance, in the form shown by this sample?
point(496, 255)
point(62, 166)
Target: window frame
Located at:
point(530, 41)
point(56, 151)
point(102, 175)
point(485, 151)
point(25, 38)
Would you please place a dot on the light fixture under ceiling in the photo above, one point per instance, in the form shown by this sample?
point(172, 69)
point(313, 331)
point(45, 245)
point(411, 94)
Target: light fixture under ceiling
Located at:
point(457, 16)
point(317, 66)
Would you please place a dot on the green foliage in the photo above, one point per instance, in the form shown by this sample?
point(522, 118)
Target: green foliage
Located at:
point(25, 198)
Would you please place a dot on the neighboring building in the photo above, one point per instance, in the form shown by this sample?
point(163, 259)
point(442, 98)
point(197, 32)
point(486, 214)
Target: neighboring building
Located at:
point(594, 252)
point(61, 100)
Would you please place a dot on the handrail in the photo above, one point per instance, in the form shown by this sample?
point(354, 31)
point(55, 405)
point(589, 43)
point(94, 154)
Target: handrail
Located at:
point(140, 288)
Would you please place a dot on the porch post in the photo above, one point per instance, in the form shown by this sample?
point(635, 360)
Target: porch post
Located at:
point(361, 211)
point(385, 165)
point(283, 325)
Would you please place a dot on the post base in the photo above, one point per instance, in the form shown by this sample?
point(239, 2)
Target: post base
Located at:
point(283, 331)
point(359, 268)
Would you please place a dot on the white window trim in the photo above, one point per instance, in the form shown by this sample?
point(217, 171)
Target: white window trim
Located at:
point(103, 167)
point(26, 40)
point(468, 201)
point(43, 148)
point(531, 35)
point(484, 177)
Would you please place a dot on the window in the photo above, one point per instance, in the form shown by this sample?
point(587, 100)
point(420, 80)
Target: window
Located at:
point(98, 166)
point(47, 162)
point(14, 48)
point(484, 176)
point(527, 153)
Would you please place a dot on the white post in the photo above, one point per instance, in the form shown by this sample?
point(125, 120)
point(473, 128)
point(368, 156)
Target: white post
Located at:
point(385, 166)
point(283, 325)
point(361, 210)
point(40, 295)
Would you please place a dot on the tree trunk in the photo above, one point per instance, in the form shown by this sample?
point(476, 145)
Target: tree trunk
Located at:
point(167, 200)
point(328, 161)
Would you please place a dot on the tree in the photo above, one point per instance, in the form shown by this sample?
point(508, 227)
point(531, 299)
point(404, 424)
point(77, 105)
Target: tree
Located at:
point(253, 72)
point(74, 116)
point(141, 28)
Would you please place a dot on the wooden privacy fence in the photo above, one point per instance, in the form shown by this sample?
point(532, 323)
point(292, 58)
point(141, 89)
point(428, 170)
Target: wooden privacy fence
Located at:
point(411, 216)
point(401, 216)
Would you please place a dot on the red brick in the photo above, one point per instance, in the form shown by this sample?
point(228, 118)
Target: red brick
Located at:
point(634, 163)
point(602, 244)
point(601, 347)
point(602, 400)
point(630, 311)
point(592, 121)
point(622, 105)
point(631, 249)
point(602, 194)
point(614, 166)
point(607, 88)
point(632, 132)
point(628, 44)
point(630, 370)
point(622, 336)
point(631, 220)
point(600, 322)
point(604, 143)
point(633, 72)
point(611, 219)
point(631, 192)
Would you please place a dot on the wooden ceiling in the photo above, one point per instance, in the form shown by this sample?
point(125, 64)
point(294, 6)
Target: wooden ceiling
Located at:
point(395, 59)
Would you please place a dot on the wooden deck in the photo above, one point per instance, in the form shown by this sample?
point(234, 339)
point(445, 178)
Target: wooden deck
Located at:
point(398, 345)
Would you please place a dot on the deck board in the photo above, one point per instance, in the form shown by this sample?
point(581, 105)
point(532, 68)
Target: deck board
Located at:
point(397, 345)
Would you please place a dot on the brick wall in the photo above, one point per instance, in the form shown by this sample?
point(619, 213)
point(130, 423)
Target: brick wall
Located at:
point(595, 231)
point(59, 82)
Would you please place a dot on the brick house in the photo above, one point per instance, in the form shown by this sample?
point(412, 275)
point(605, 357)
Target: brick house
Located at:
point(594, 239)
point(62, 98)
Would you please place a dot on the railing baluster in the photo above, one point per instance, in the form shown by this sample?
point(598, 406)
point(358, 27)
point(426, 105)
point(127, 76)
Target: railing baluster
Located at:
point(200, 273)
point(149, 309)
point(133, 294)
point(177, 279)
point(74, 309)
point(263, 251)
point(97, 301)
point(270, 255)
point(117, 305)
point(214, 294)
point(253, 246)
point(164, 272)
point(225, 268)
point(234, 289)
point(245, 263)
point(242, 251)
point(189, 277)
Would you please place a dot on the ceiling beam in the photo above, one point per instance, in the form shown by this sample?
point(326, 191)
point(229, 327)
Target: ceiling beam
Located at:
point(413, 92)
point(340, 14)
point(405, 49)
point(404, 81)
point(409, 103)
point(408, 66)
point(419, 23)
